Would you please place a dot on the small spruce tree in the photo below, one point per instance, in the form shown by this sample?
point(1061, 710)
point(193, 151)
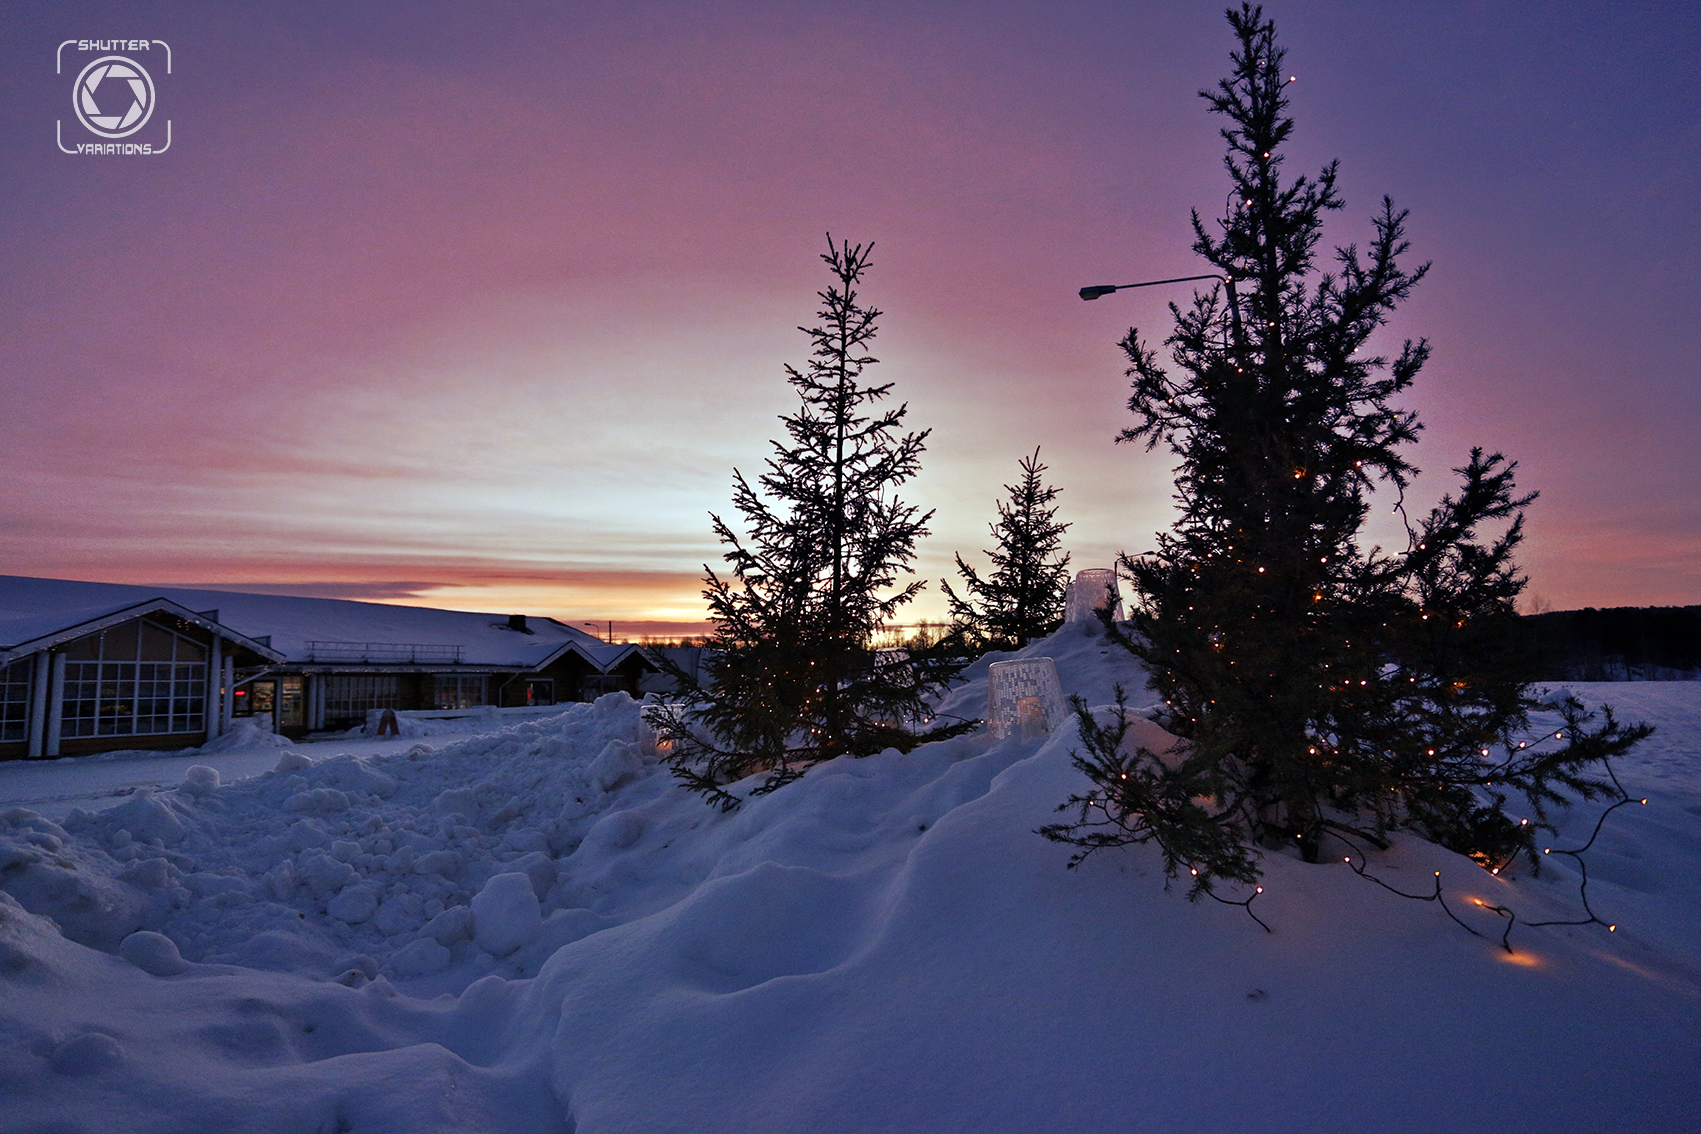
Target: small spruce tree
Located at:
point(1317, 685)
point(1023, 596)
point(792, 676)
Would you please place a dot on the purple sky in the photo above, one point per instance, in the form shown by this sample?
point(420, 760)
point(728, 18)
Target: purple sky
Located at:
point(479, 305)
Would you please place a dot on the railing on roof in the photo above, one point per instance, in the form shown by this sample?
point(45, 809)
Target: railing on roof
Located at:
point(412, 652)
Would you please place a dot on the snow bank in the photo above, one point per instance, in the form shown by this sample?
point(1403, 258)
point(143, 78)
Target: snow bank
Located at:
point(536, 930)
point(322, 861)
point(246, 732)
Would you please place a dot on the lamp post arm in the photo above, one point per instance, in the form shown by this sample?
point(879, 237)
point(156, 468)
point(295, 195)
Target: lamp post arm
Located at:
point(1096, 290)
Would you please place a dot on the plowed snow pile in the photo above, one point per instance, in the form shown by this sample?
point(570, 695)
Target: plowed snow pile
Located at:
point(535, 929)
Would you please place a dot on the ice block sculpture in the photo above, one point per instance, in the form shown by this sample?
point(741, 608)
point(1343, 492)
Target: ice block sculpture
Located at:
point(1023, 698)
point(1093, 589)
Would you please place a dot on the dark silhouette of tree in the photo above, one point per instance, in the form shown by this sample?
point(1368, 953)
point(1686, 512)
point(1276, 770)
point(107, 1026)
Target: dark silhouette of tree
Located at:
point(1317, 686)
point(1023, 596)
point(792, 676)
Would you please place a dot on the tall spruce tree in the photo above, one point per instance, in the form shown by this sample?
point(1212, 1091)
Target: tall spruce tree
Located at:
point(1318, 686)
point(1023, 596)
point(792, 676)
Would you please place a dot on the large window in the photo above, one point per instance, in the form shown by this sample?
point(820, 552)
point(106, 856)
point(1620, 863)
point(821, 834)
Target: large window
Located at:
point(457, 690)
point(138, 679)
point(349, 695)
point(15, 701)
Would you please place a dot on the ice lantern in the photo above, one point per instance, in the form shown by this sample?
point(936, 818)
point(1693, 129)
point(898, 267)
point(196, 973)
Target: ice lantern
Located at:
point(1023, 698)
point(1093, 590)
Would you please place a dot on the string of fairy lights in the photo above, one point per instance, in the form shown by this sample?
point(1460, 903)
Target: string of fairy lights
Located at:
point(1245, 904)
point(1358, 863)
point(1511, 916)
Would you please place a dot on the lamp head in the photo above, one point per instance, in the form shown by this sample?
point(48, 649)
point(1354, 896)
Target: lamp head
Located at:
point(1097, 290)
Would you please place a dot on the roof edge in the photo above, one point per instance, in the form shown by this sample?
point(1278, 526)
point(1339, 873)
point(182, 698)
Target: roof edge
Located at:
point(147, 606)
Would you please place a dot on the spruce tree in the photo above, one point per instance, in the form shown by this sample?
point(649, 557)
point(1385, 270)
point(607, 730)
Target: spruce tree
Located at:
point(1318, 685)
point(792, 676)
point(1023, 596)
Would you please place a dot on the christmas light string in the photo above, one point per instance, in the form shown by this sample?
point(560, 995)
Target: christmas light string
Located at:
point(1358, 867)
point(1583, 867)
point(1438, 897)
point(1245, 905)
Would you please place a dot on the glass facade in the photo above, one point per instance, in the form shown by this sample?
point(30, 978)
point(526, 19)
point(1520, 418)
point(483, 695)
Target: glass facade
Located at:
point(15, 700)
point(138, 679)
point(457, 691)
point(349, 695)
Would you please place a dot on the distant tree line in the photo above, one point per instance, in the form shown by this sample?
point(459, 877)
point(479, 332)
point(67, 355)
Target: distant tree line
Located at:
point(1622, 643)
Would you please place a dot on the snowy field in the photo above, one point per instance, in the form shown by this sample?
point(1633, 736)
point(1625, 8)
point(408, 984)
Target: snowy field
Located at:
point(533, 929)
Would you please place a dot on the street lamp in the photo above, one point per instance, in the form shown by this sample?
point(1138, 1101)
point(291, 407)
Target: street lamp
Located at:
point(1096, 290)
point(595, 625)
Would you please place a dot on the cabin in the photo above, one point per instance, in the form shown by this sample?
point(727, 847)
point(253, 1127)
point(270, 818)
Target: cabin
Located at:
point(124, 662)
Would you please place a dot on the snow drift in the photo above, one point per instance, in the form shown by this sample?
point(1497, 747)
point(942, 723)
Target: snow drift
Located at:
point(535, 929)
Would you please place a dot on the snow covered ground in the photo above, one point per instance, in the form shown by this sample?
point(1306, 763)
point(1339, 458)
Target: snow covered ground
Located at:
point(533, 929)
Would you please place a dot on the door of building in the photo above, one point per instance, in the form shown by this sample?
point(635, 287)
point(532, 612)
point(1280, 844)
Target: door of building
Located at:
point(256, 699)
point(290, 704)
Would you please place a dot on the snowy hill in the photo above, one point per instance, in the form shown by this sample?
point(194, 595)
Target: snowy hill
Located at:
point(563, 940)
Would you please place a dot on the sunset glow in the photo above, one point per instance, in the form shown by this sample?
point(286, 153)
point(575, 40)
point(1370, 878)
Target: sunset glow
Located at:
point(480, 308)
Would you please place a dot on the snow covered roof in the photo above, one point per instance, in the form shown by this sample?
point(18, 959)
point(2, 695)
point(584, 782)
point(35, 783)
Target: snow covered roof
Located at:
point(43, 630)
point(304, 629)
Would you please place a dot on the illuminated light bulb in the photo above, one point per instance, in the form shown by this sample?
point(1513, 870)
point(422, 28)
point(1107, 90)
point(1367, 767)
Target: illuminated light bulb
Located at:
point(1485, 752)
point(1193, 870)
point(1644, 803)
point(1523, 822)
point(1496, 870)
point(1258, 889)
point(1348, 858)
point(1547, 850)
point(1438, 873)
point(1478, 901)
point(1612, 929)
point(1432, 751)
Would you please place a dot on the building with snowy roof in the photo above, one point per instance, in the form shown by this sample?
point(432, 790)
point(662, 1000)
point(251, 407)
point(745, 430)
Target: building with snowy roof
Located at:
point(91, 667)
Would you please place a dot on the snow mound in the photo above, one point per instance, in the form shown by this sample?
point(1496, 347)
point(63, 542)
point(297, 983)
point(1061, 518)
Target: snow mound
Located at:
point(537, 930)
point(246, 732)
point(153, 953)
point(343, 856)
point(505, 914)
